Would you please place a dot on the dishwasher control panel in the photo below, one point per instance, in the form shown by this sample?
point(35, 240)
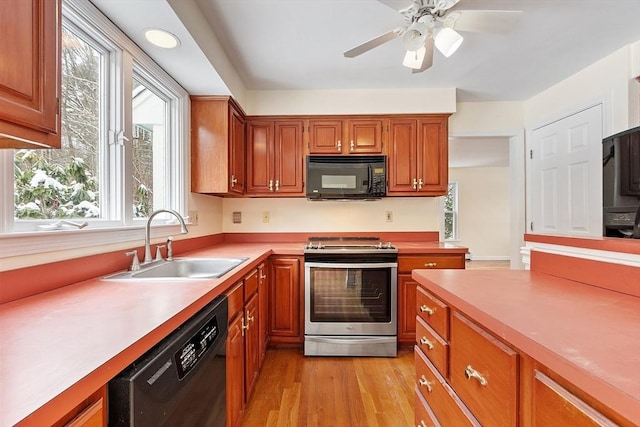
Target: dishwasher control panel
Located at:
point(187, 357)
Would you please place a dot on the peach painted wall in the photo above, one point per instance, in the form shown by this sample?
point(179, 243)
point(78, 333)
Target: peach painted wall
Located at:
point(301, 215)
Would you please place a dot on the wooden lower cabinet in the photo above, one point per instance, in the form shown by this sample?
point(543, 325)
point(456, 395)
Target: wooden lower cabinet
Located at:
point(244, 357)
point(406, 309)
point(553, 405)
point(92, 412)
point(263, 308)
point(286, 305)
point(235, 357)
point(473, 377)
point(407, 288)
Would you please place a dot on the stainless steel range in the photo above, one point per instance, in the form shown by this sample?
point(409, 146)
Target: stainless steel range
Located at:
point(350, 297)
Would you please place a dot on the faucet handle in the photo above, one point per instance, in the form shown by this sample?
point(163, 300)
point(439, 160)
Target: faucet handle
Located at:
point(159, 252)
point(135, 262)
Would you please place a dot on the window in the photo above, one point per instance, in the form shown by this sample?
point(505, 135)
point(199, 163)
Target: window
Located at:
point(123, 141)
point(450, 203)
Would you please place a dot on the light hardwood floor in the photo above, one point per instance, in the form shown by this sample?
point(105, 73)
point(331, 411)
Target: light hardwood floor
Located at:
point(298, 391)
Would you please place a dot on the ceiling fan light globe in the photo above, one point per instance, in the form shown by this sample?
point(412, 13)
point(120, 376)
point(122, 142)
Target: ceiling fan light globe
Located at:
point(415, 36)
point(448, 41)
point(414, 59)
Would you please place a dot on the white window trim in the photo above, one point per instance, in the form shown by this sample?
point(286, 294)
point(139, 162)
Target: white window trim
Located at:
point(456, 215)
point(16, 243)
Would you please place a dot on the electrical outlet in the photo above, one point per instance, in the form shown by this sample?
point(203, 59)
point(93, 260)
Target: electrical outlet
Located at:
point(193, 217)
point(389, 216)
point(236, 217)
point(266, 217)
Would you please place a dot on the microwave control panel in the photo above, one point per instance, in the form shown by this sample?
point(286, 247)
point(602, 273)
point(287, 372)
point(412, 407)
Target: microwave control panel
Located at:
point(378, 182)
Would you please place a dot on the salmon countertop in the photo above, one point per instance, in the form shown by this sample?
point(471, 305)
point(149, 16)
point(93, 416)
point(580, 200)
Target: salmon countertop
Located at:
point(588, 335)
point(58, 347)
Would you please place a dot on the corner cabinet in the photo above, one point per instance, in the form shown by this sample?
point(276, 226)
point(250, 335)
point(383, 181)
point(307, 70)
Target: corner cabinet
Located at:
point(275, 158)
point(217, 146)
point(361, 135)
point(30, 73)
point(418, 156)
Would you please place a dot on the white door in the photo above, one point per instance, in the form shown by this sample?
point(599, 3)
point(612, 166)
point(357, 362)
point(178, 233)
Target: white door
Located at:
point(565, 183)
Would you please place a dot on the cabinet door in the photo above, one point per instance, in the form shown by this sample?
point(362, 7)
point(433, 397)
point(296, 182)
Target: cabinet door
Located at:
point(288, 159)
point(403, 153)
point(217, 146)
point(284, 300)
point(260, 157)
point(91, 412)
point(251, 345)
point(235, 372)
point(365, 136)
point(553, 405)
point(236, 160)
point(30, 72)
point(325, 136)
point(263, 307)
point(406, 309)
point(433, 155)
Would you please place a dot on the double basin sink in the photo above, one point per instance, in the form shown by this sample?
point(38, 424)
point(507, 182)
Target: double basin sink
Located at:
point(181, 268)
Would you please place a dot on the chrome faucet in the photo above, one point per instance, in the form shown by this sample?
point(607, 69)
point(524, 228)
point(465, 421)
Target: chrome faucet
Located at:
point(147, 237)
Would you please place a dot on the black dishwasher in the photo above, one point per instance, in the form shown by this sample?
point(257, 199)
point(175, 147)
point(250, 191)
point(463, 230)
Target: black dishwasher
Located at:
point(179, 382)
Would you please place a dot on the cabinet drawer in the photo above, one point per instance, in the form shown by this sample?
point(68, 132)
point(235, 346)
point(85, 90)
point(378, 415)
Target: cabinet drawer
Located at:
point(553, 405)
point(250, 284)
point(424, 414)
point(235, 299)
point(484, 372)
point(446, 405)
point(432, 345)
point(433, 311)
point(408, 263)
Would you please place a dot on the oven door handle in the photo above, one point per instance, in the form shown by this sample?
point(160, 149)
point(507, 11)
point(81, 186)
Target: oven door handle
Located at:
point(361, 265)
point(350, 339)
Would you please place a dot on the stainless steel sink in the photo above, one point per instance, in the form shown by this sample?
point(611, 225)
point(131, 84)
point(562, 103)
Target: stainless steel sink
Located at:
point(181, 268)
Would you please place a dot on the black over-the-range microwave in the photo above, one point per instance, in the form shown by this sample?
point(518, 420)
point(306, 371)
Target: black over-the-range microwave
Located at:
point(346, 177)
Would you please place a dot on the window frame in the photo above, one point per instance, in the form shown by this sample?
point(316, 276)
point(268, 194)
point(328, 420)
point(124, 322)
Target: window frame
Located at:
point(125, 60)
point(455, 212)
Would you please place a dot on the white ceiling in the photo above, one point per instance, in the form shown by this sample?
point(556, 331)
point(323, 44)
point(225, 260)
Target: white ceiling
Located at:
point(298, 45)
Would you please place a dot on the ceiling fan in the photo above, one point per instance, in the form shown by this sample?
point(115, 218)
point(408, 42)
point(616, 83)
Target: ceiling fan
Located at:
point(432, 23)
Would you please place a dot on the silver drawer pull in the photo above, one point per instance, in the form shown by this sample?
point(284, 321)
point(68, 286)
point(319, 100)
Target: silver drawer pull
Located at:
point(469, 372)
point(431, 265)
point(425, 341)
point(422, 424)
point(427, 309)
point(426, 383)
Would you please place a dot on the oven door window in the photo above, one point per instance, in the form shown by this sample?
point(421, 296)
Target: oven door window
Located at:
point(350, 295)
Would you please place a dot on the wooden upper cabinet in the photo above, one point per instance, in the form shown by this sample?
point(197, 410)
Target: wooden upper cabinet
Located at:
point(418, 156)
point(365, 136)
point(275, 158)
point(217, 146)
point(346, 136)
point(30, 73)
point(325, 137)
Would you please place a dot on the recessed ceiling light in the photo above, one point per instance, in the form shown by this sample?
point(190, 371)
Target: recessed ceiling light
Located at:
point(161, 38)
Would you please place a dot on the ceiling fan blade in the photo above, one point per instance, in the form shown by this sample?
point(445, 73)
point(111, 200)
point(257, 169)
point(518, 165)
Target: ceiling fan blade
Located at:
point(489, 21)
point(374, 42)
point(427, 62)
